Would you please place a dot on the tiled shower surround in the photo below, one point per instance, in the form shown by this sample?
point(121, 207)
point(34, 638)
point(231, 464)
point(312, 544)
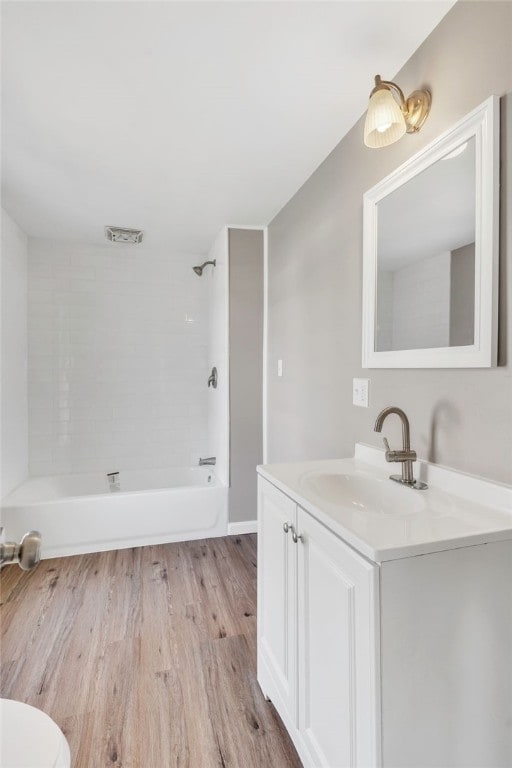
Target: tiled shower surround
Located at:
point(117, 358)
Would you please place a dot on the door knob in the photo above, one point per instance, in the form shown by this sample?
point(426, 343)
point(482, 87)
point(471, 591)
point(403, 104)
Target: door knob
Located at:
point(27, 553)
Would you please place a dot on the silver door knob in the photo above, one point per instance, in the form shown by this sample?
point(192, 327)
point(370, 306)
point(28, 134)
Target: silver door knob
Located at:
point(286, 527)
point(296, 537)
point(27, 553)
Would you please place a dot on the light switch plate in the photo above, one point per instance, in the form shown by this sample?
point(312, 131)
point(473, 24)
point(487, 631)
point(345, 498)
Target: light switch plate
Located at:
point(360, 392)
point(279, 367)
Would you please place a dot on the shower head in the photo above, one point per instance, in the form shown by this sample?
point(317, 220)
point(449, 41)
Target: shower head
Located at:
point(199, 270)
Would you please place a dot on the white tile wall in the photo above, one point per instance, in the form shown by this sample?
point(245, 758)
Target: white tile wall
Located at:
point(117, 358)
point(218, 348)
point(14, 412)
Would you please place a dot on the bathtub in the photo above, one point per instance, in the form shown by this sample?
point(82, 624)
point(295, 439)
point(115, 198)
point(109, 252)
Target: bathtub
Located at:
point(83, 513)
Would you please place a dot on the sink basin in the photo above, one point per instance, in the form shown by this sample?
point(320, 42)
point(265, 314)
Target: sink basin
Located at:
point(384, 520)
point(364, 492)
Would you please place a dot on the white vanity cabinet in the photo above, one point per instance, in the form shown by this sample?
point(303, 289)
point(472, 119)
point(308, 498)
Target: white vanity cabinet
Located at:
point(337, 646)
point(317, 645)
point(277, 600)
point(401, 660)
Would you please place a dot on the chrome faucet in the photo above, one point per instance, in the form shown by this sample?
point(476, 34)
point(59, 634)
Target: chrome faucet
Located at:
point(113, 481)
point(211, 461)
point(405, 456)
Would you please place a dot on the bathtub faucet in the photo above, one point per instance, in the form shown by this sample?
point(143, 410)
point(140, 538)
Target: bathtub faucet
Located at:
point(113, 479)
point(211, 461)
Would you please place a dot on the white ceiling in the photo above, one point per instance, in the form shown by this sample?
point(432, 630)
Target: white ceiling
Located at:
point(432, 213)
point(180, 117)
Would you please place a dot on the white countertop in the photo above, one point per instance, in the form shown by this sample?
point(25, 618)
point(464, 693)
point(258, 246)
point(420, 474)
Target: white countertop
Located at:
point(393, 522)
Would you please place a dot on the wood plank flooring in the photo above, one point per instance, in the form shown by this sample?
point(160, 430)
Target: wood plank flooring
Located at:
point(145, 657)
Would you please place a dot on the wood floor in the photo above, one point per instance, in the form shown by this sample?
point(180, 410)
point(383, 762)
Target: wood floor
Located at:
point(145, 657)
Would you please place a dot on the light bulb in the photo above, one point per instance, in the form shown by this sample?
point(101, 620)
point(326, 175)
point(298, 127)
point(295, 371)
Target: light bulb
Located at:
point(385, 121)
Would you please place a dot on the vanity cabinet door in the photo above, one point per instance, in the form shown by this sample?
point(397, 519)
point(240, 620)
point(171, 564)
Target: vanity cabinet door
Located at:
point(277, 600)
point(337, 604)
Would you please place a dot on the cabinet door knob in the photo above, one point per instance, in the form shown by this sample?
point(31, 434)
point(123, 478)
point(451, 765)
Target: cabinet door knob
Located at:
point(297, 537)
point(286, 527)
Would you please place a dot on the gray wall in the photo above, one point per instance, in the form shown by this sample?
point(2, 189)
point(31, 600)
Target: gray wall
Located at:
point(462, 295)
point(245, 368)
point(459, 418)
point(421, 304)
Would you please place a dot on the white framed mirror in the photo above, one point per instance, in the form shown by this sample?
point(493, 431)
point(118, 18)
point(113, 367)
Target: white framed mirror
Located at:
point(430, 253)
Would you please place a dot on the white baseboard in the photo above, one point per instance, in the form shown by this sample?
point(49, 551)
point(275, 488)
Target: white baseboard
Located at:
point(246, 526)
point(139, 541)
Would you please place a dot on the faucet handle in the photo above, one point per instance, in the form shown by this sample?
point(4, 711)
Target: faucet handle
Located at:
point(390, 455)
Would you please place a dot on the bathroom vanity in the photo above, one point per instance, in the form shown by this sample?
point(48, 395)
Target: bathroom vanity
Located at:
point(385, 614)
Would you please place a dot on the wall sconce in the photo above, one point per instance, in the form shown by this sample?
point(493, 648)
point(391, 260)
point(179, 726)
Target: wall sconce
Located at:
point(390, 115)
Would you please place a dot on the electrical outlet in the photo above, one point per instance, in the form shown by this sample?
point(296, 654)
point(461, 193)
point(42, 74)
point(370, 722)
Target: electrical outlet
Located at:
point(360, 392)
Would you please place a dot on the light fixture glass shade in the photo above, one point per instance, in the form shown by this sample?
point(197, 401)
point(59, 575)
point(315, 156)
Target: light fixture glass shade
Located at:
point(385, 122)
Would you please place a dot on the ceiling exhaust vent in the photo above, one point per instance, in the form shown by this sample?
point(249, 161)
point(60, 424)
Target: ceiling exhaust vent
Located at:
point(123, 235)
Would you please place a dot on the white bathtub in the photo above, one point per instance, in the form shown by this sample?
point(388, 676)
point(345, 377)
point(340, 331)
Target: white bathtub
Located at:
point(80, 513)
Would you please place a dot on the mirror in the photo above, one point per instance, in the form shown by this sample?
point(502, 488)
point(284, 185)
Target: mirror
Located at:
point(430, 254)
point(425, 287)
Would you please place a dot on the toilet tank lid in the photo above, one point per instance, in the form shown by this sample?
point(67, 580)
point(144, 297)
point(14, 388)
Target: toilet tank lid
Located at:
point(30, 738)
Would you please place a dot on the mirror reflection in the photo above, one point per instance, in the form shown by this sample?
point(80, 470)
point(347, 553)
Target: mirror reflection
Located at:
point(426, 257)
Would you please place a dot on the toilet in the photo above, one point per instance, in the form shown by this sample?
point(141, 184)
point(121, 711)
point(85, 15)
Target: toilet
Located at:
point(30, 739)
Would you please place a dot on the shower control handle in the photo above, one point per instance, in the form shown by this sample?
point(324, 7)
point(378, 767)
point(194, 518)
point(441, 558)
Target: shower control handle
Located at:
point(212, 380)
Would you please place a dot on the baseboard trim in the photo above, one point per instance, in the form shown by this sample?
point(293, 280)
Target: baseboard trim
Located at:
point(246, 526)
point(86, 548)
